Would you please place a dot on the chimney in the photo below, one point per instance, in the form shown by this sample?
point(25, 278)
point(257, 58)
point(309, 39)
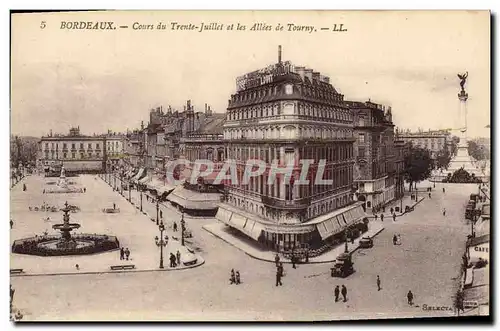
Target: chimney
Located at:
point(300, 71)
point(309, 74)
point(188, 105)
point(205, 107)
point(279, 54)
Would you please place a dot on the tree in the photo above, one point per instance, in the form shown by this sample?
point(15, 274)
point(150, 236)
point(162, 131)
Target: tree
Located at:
point(418, 165)
point(477, 151)
point(443, 159)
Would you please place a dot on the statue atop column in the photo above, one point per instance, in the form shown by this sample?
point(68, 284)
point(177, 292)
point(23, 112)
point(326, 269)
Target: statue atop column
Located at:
point(463, 79)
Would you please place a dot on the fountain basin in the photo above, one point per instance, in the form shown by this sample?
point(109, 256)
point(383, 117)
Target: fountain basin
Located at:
point(54, 245)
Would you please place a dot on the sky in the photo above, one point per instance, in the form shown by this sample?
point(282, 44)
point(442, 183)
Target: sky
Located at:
point(110, 79)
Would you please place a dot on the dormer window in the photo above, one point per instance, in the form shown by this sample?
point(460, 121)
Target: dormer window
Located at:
point(289, 89)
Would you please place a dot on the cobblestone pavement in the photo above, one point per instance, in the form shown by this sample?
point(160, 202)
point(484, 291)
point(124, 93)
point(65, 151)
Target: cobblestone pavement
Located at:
point(426, 263)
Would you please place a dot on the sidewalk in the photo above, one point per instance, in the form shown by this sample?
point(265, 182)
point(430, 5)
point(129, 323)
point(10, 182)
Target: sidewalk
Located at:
point(254, 250)
point(397, 203)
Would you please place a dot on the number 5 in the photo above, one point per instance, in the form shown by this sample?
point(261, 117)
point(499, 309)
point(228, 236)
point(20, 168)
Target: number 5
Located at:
point(42, 25)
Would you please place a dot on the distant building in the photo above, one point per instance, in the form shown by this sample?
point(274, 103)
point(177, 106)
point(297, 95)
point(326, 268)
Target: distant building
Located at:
point(434, 141)
point(375, 153)
point(78, 153)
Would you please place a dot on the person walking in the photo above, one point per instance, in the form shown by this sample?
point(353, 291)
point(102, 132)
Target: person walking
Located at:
point(378, 283)
point(344, 292)
point(238, 280)
point(77, 267)
point(172, 260)
point(178, 256)
point(277, 260)
point(122, 253)
point(11, 223)
point(444, 191)
point(429, 195)
point(232, 278)
point(84, 189)
point(376, 216)
point(410, 298)
point(127, 253)
point(444, 211)
point(382, 217)
point(278, 277)
point(293, 258)
point(175, 226)
point(337, 293)
point(394, 217)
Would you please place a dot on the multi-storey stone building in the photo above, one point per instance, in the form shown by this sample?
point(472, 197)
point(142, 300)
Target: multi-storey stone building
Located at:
point(376, 173)
point(434, 141)
point(288, 113)
point(76, 152)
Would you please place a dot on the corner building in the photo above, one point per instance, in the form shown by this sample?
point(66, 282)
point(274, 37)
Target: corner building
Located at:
point(288, 113)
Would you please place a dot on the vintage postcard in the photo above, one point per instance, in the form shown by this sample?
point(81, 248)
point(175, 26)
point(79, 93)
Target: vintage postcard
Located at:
point(249, 165)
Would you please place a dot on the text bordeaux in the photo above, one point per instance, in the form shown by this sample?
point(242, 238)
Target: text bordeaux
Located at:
point(87, 25)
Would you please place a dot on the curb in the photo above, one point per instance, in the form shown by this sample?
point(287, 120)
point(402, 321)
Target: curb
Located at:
point(285, 262)
point(110, 272)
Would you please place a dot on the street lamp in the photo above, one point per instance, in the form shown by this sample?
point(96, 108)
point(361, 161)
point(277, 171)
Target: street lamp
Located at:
point(139, 187)
point(129, 192)
point(183, 227)
point(160, 242)
point(157, 198)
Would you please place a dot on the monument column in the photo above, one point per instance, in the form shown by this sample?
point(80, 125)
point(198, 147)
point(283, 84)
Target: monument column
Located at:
point(463, 96)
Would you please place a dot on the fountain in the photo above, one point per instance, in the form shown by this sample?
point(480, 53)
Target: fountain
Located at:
point(63, 186)
point(65, 244)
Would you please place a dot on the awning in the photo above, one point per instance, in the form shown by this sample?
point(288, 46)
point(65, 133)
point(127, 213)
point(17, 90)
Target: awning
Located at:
point(337, 221)
point(248, 226)
point(141, 173)
point(145, 180)
point(159, 185)
point(194, 200)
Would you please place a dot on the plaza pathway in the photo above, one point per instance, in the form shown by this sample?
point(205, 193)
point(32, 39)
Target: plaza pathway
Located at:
point(427, 262)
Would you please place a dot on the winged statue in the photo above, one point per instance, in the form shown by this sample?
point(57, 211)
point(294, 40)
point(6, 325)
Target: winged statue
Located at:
point(463, 78)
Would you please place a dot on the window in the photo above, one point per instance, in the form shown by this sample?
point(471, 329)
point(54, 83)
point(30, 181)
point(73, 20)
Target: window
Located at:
point(361, 151)
point(89, 146)
point(90, 155)
point(46, 145)
point(72, 146)
point(289, 89)
point(81, 156)
point(65, 155)
point(73, 155)
point(65, 146)
point(361, 138)
point(81, 145)
point(97, 146)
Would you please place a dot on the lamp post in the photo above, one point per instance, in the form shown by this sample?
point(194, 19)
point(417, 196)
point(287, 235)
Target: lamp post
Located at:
point(129, 192)
point(161, 242)
point(139, 187)
point(183, 227)
point(157, 198)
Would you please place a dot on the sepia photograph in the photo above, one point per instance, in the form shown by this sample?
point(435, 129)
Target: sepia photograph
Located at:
point(260, 166)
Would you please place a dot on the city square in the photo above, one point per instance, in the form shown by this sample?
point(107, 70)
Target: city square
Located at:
point(230, 187)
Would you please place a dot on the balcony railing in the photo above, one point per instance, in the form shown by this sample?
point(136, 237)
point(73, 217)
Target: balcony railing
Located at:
point(286, 204)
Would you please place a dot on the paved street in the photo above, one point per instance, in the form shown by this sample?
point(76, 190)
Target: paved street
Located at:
point(426, 263)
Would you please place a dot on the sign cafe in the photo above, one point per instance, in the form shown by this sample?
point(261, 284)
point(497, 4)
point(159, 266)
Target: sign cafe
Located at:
point(263, 76)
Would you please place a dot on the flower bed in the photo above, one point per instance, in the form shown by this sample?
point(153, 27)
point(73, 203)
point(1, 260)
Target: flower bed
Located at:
point(38, 245)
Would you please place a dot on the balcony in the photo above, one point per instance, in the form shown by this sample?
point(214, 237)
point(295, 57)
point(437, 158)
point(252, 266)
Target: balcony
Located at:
point(286, 204)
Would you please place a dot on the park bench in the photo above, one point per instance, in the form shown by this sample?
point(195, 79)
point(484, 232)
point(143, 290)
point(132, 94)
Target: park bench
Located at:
point(123, 267)
point(16, 271)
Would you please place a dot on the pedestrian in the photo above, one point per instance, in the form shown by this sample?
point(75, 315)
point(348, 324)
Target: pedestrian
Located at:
point(337, 293)
point(12, 291)
point(278, 278)
point(444, 211)
point(122, 253)
point(84, 189)
point(293, 261)
point(382, 217)
point(344, 292)
point(172, 260)
point(232, 279)
point(175, 226)
point(429, 195)
point(378, 283)
point(394, 239)
point(444, 191)
point(376, 216)
point(178, 256)
point(238, 280)
point(394, 217)
point(352, 238)
point(24, 187)
point(410, 298)
point(392, 210)
point(277, 259)
point(77, 267)
point(127, 253)
point(11, 223)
